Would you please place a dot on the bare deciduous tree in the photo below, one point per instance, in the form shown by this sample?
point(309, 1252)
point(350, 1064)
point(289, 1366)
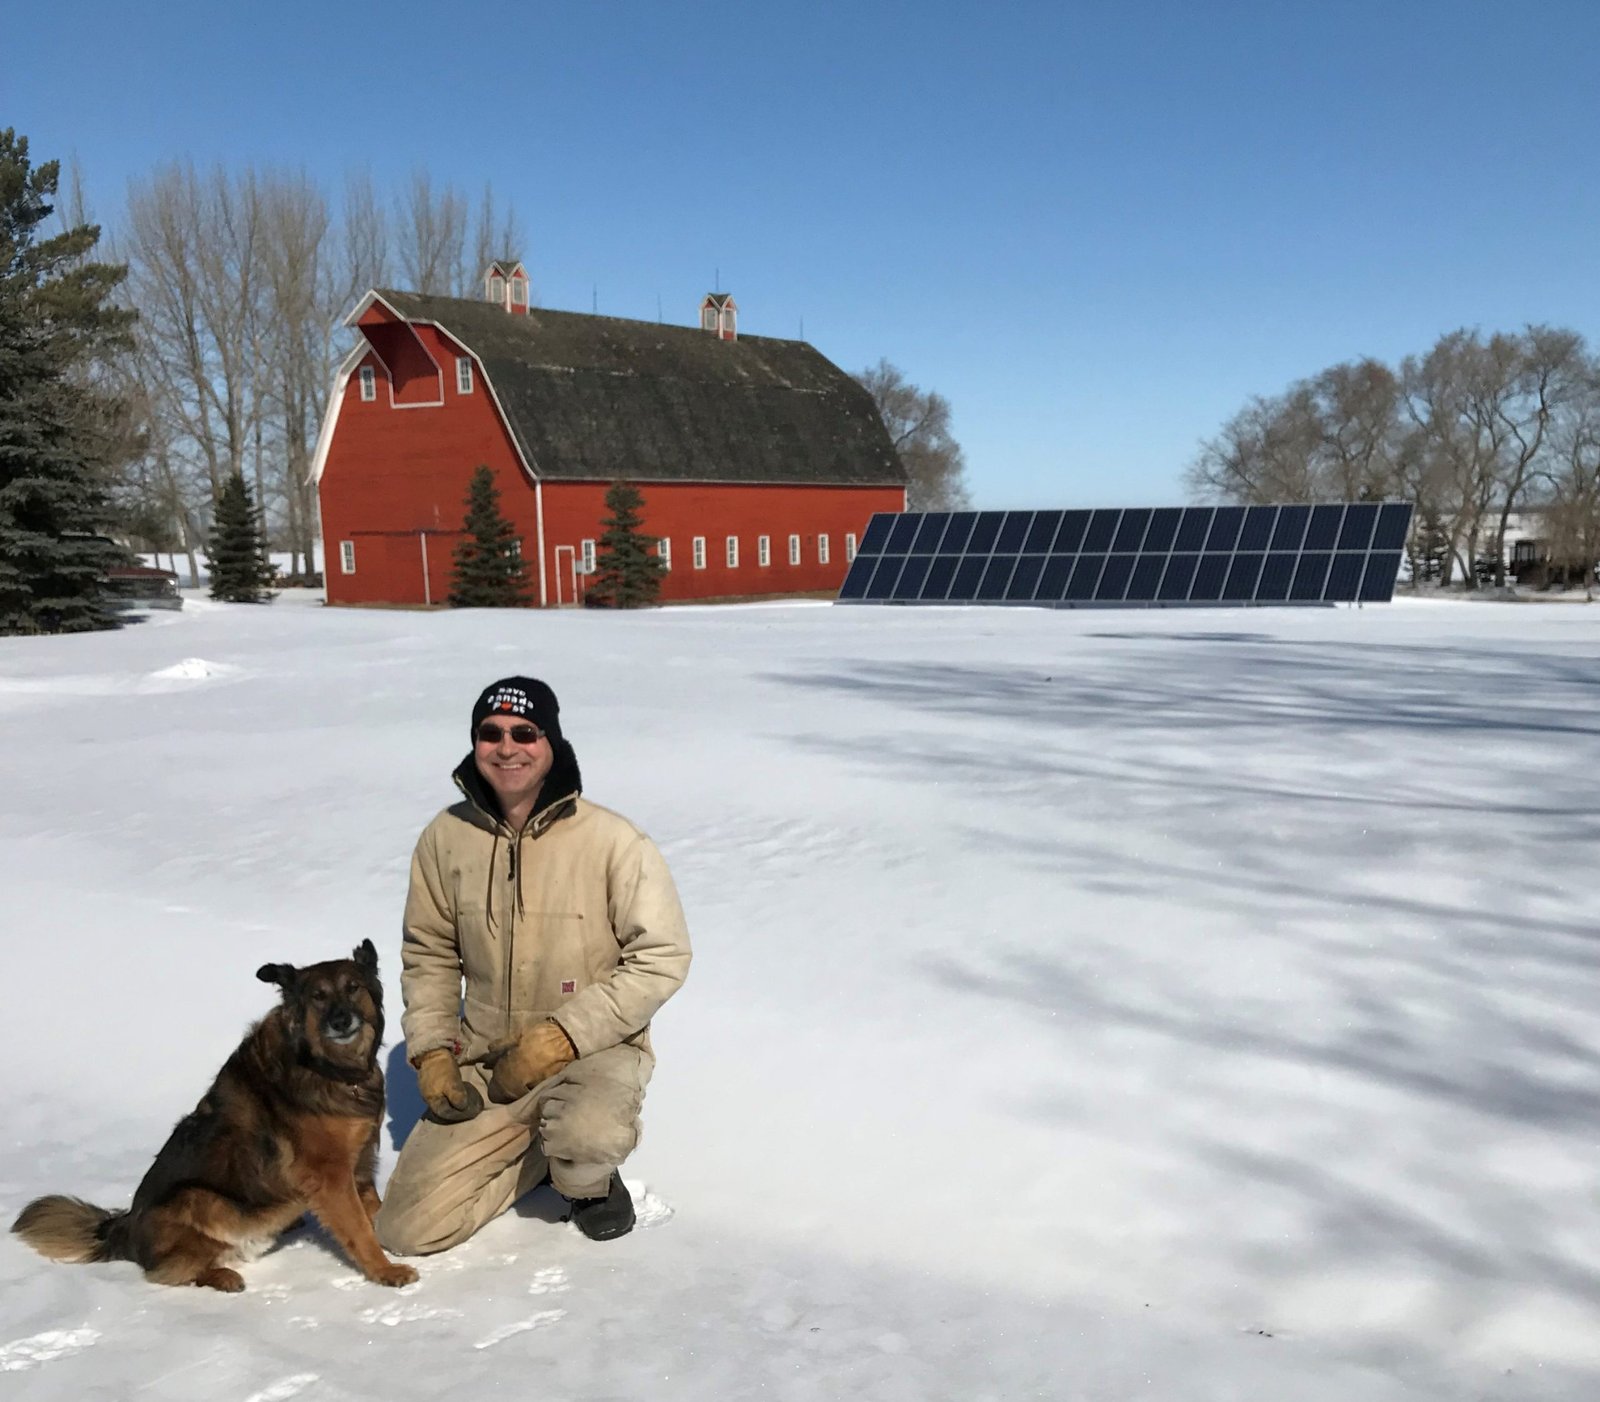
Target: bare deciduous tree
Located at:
point(1463, 431)
point(365, 228)
point(1333, 437)
point(193, 249)
point(1358, 409)
point(303, 295)
point(495, 237)
point(431, 237)
point(1571, 480)
point(918, 422)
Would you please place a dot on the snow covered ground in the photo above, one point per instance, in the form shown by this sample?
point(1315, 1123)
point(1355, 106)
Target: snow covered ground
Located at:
point(1175, 1005)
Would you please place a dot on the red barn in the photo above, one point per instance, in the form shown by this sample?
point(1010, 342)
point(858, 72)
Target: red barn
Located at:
point(759, 460)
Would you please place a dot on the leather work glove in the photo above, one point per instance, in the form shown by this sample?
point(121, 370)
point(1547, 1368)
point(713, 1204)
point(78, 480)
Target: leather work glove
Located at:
point(450, 1099)
point(520, 1063)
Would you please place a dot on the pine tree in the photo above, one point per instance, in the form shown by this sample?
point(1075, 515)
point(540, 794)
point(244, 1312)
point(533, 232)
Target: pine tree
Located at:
point(628, 572)
point(1431, 546)
point(241, 568)
point(489, 569)
point(55, 329)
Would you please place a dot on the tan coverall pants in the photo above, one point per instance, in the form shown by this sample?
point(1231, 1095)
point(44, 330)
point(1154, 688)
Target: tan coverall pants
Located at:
point(578, 1126)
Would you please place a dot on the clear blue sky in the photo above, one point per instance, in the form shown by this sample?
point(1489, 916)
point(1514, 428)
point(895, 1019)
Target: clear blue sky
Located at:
point(1097, 229)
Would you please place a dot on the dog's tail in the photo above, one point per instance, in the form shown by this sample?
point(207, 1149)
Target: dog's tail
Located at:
point(72, 1230)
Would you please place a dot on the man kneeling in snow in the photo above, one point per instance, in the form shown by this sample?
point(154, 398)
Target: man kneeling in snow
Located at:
point(564, 922)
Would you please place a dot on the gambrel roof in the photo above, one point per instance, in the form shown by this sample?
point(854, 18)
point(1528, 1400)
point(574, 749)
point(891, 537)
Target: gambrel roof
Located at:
point(603, 398)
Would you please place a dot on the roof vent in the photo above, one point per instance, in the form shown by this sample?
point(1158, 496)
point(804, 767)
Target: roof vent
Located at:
point(720, 316)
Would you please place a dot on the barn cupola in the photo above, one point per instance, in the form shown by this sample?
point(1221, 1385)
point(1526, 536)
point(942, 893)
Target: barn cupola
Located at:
point(720, 315)
point(506, 285)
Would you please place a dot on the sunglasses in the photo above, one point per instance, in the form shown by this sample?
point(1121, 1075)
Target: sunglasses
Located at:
point(491, 734)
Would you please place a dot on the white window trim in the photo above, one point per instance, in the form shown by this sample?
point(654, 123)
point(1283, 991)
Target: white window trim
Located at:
point(849, 547)
point(822, 549)
point(733, 552)
point(369, 384)
point(519, 291)
point(463, 374)
point(497, 289)
point(347, 556)
point(794, 550)
point(664, 552)
point(588, 566)
point(699, 552)
point(763, 550)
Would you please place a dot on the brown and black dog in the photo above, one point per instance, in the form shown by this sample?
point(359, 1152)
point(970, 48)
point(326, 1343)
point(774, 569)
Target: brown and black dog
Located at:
point(290, 1125)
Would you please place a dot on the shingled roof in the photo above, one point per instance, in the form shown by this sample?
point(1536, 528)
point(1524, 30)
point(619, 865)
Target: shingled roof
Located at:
point(602, 398)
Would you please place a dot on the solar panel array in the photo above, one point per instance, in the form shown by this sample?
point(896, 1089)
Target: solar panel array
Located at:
point(1152, 556)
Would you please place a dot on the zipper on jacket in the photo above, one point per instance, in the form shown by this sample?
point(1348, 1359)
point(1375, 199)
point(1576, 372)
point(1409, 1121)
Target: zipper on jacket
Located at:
point(512, 844)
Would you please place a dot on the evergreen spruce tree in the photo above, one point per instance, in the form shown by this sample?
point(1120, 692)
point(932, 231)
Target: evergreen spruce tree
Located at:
point(241, 568)
point(1432, 546)
point(56, 327)
point(489, 569)
point(627, 571)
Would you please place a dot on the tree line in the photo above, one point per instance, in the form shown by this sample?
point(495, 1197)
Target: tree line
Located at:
point(1473, 431)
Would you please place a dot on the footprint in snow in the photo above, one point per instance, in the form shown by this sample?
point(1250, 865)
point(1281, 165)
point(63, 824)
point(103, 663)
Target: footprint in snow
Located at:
point(391, 1315)
point(284, 1388)
point(22, 1354)
point(533, 1321)
point(550, 1281)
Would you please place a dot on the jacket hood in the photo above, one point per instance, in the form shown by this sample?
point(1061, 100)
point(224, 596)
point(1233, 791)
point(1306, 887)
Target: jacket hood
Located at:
point(562, 782)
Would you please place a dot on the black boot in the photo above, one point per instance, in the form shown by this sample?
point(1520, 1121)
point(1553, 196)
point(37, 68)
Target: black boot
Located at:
point(601, 1219)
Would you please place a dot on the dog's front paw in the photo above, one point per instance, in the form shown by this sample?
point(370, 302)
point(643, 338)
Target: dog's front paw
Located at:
point(393, 1273)
point(221, 1278)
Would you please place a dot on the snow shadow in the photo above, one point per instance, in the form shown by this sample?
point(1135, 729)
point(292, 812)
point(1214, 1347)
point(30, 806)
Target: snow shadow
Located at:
point(405, 1104)
point(1242, 680)
point(1297, 917)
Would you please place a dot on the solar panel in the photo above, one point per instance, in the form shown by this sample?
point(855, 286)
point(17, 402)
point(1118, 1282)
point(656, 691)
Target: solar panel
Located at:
point(1161, 557)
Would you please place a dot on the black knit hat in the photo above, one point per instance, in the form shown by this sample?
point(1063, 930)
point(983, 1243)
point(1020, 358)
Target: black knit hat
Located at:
point(520, 696)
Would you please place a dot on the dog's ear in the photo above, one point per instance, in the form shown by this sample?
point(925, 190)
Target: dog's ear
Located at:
point(280, 974)
point(365, 956)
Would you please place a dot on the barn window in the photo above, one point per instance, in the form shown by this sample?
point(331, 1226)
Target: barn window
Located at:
point(794, 550)
point(664, 552)
point(497, 289)
point(588, 557)
point(822, 549)
point(733, 552)
point(708, 318)
point(347, 556)
point(699, 552)
point(764, 550)
point(464, 374)
point(850, 547)
point(519, 292)
point(369, 383)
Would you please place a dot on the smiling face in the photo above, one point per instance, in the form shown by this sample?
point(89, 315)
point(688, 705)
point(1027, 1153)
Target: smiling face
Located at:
point(515, 772)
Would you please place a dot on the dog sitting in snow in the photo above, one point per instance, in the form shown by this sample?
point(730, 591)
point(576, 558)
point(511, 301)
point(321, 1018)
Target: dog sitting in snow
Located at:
point(290, 1125)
